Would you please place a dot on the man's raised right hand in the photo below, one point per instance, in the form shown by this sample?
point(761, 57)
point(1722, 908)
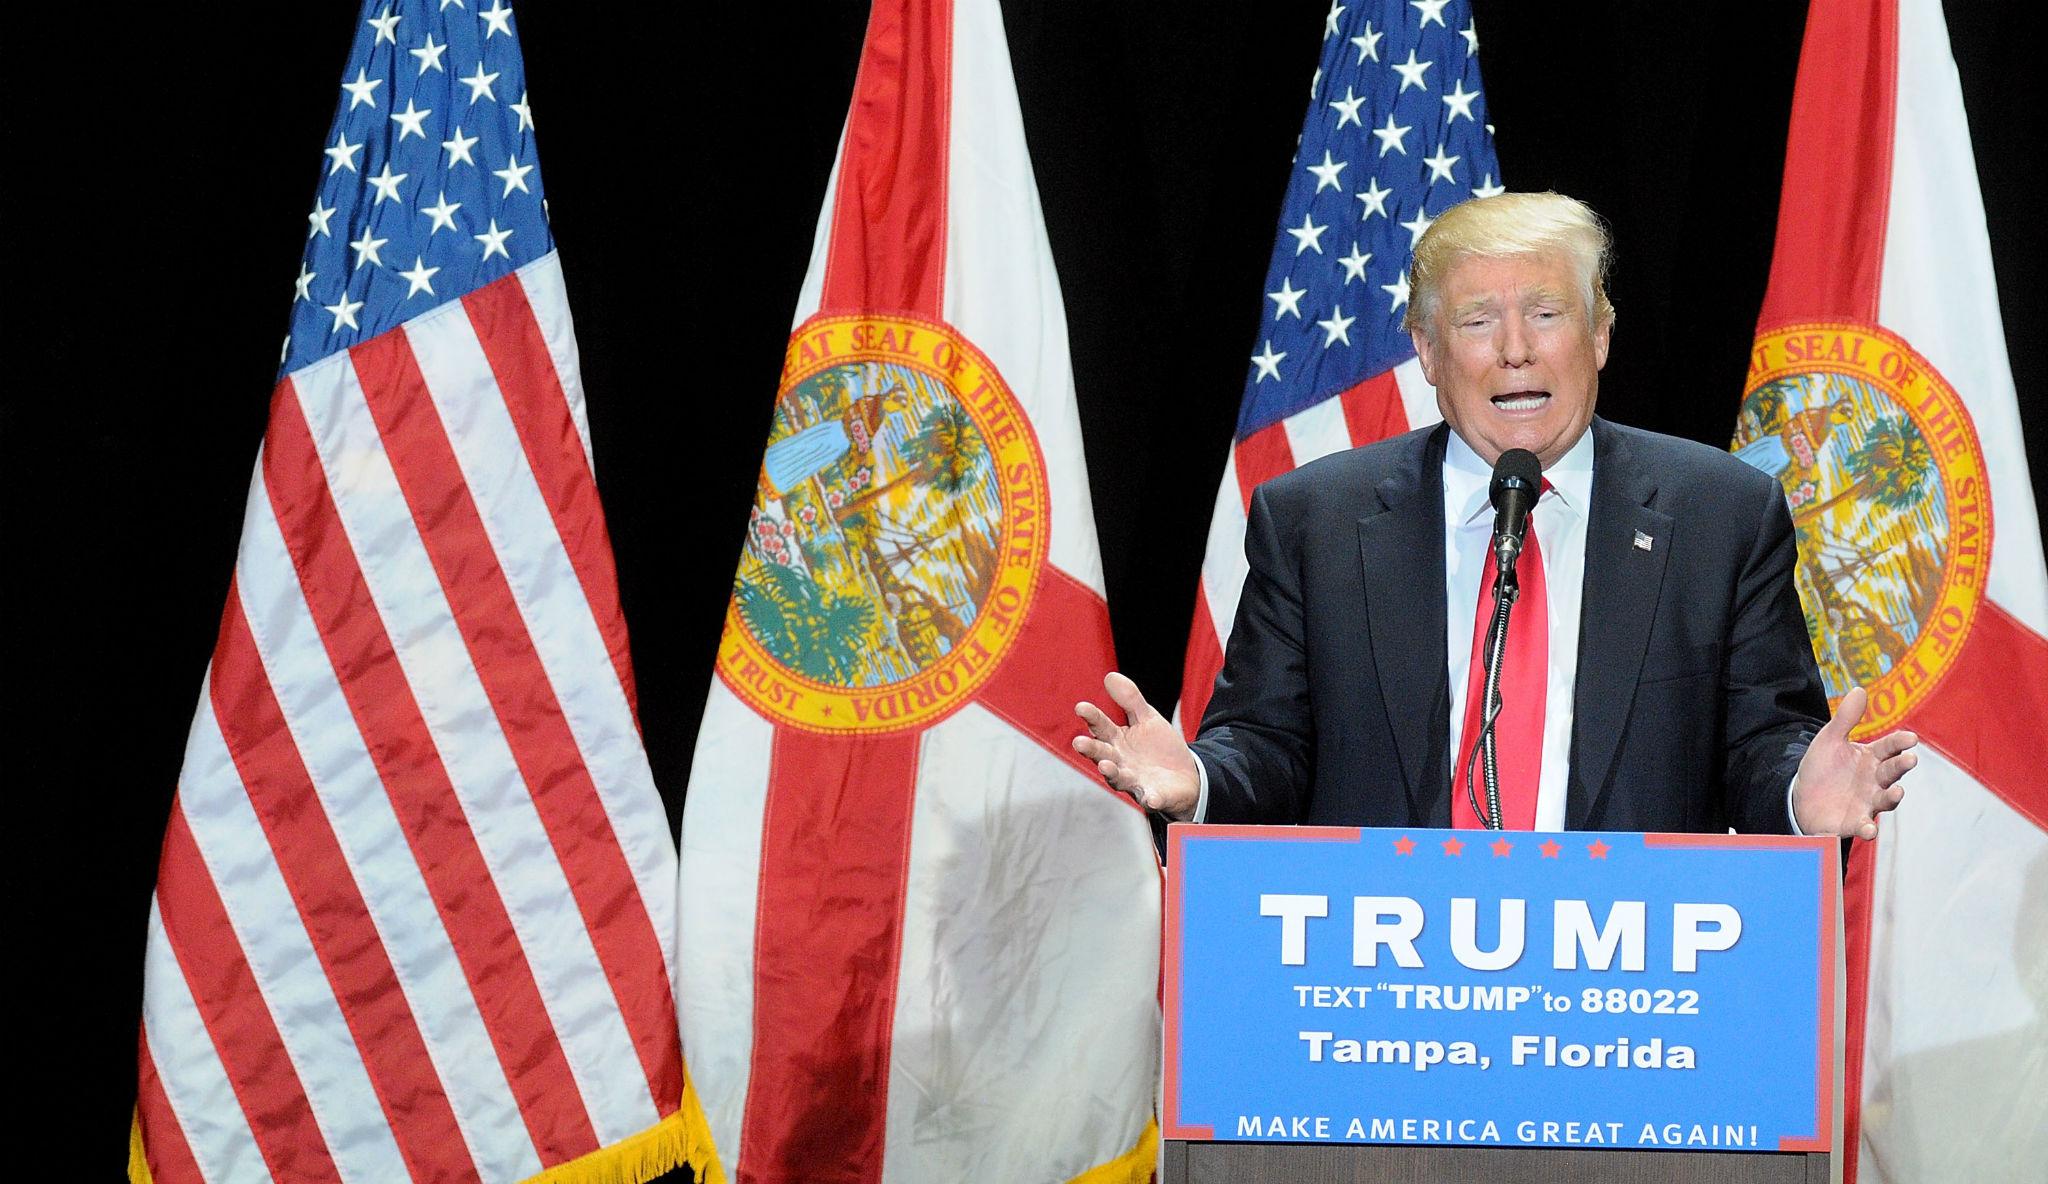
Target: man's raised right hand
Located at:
point(1145, 758)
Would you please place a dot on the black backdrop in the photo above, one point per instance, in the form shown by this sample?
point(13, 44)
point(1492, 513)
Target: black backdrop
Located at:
point(158, 164)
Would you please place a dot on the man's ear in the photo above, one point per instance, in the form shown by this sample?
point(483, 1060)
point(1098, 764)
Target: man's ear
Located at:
point(1602, 338)
point(1425, 352)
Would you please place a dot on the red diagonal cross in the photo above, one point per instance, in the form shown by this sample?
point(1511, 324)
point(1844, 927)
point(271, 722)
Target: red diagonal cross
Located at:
point(834, 856)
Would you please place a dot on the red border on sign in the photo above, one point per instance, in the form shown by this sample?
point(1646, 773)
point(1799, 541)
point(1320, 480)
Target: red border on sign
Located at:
point(1736, 842)
point(1826, 849)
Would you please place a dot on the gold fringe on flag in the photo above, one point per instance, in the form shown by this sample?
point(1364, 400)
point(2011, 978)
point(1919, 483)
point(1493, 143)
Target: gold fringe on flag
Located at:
point(1132, 1167)
point(681, 1139)
point(138, 1163)
point(668, 1144)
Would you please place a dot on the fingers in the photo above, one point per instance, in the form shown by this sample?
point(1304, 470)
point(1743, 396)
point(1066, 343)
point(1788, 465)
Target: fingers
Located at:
point(1850, 711)
point(1113, 773)
point(1891, 745)
point(1093, 749)
point(1100, 726)
point(1889, 771)
point(1126, 695)
point(1884, 801)
point(1104, 755)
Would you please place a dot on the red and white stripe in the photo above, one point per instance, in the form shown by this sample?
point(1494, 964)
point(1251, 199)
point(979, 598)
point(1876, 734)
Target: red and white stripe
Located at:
point(1386, 404)
point(931, 955)
point(1882, 222)
point(414, 914)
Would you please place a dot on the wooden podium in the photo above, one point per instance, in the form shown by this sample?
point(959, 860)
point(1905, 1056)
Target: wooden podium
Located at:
point(1318, 975)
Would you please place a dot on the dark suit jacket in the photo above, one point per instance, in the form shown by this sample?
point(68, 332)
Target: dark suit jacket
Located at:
point(1696, 692)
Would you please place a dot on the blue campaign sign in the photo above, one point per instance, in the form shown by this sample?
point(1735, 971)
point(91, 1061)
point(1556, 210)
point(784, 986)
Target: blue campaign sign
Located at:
point(1331, 984)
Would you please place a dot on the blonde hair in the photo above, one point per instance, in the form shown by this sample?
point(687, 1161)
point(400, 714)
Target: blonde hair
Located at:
point(1509, 224)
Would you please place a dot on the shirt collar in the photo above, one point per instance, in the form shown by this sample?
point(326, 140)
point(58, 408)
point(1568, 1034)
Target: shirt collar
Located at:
point(1466, 478)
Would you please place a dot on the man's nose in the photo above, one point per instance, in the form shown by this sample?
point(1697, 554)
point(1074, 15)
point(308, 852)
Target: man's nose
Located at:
point(1517, 347)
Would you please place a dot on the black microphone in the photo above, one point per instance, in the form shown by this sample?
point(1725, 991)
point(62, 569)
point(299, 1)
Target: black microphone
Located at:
point(1517, 482)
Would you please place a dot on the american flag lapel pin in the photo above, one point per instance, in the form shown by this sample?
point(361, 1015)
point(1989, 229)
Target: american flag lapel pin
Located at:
point(1643, 541)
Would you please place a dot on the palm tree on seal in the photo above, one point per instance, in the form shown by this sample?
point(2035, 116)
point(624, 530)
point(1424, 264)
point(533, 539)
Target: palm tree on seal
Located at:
point(808, 628)
point(945, 454)
point(1891, 467)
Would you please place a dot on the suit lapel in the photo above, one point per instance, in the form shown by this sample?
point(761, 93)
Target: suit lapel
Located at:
point(1618, 604)
point(1401, 552)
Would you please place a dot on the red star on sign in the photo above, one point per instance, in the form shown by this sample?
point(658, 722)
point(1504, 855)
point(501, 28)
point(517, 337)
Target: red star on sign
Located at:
point(1454, 847)
point(1550, 848)
point(1404, 846)
point(1597, 849)
point(1501, 848)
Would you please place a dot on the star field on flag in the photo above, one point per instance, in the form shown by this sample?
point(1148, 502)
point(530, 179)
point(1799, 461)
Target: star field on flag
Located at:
point(430, 188)
point(1396, 133)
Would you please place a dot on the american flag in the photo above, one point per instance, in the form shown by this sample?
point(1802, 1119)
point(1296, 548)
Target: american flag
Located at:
point(1396, 133)
point(415, 911)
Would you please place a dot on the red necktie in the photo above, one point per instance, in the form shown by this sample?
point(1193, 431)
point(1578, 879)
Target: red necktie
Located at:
point(1525, 671)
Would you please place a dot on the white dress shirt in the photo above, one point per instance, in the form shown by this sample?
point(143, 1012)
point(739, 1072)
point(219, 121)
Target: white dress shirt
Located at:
point(1559, 523)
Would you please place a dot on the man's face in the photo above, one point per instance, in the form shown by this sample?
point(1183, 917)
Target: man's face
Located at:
point(1514, 355)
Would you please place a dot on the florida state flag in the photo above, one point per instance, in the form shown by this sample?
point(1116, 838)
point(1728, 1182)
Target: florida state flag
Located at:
point(1880, 394)
point(919, 939)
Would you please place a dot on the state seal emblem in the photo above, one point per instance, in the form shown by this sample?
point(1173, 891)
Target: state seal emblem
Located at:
point(1884, 476)
point(898, 530)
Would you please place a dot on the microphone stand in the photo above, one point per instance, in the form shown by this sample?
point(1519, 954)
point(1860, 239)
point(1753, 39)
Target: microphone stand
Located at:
point(1507, 589)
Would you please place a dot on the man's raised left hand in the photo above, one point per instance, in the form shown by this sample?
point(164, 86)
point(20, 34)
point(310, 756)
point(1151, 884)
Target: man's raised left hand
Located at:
point(1844, 784)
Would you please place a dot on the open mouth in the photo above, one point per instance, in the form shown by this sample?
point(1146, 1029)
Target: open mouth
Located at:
point(1522, 401)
